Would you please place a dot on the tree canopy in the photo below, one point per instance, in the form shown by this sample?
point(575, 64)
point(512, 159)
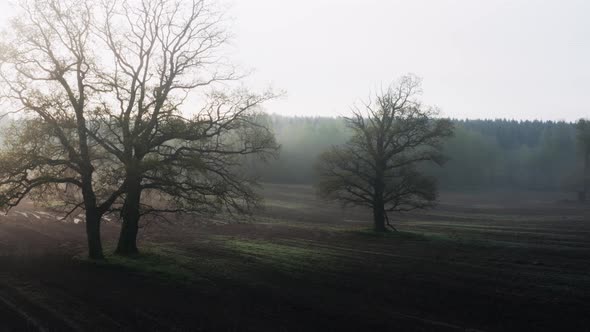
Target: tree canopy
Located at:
point(378, 165)
point(100, 89)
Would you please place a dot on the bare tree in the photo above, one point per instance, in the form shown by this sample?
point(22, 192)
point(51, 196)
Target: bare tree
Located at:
point(377, 167)
point(161, 51)
point(45, 75)
point(101, 87)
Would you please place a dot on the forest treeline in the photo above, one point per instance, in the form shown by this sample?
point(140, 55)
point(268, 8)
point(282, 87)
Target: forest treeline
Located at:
point(483, 154)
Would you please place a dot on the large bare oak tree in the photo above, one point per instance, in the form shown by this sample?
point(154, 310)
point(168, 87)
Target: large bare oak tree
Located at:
point(161, 51)
point(378, 167)
point(100, 88)
point(46, 75)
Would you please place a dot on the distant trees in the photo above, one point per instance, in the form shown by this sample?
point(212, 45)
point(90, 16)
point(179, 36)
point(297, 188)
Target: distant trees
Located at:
point(100, 87)
point(378, 166)
point(483, 154)
point(583, 136)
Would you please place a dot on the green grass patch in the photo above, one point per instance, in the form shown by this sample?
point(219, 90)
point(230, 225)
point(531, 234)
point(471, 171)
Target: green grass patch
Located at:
point(302, 225)
point(160, 261)
point(214, 263)
point(402, 235)
point(287, 258)
point(439, 238)
point(285, 204)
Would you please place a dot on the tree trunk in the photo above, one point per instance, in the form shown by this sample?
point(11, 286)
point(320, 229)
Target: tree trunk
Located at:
point(93, 235)
point(127, 244)
point(93, 218)
point(379, 217)
point(378, 202)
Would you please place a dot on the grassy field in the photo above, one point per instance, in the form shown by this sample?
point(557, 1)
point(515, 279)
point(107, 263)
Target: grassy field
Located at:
point(478, 262)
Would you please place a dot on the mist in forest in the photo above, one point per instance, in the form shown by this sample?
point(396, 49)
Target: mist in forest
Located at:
point(482, 154)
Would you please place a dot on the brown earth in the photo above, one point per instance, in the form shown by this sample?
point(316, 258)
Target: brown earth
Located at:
point(480, 261)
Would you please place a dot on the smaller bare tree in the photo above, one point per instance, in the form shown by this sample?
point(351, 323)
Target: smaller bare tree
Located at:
point(378, 167)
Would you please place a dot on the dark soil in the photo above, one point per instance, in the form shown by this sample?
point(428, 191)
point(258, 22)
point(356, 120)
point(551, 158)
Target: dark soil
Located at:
point(488, 262)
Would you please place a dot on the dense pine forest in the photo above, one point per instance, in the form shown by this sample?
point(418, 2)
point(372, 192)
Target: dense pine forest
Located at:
point(491, 154)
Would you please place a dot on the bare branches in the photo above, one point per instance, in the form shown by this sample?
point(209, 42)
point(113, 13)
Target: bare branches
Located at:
point(160, 51)
point(392, 134)
point(100, 88)
point(195, 163)
point(47, 75)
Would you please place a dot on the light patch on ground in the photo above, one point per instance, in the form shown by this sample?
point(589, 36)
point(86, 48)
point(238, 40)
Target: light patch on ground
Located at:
point(285, 204)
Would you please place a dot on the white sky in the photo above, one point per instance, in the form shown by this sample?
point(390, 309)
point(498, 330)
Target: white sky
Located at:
point(522, 59)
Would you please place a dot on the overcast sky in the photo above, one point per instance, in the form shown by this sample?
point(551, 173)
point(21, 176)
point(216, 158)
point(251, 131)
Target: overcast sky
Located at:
point(522, 59)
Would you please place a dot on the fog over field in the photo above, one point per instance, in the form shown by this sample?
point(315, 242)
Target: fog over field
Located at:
point(225, 165)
